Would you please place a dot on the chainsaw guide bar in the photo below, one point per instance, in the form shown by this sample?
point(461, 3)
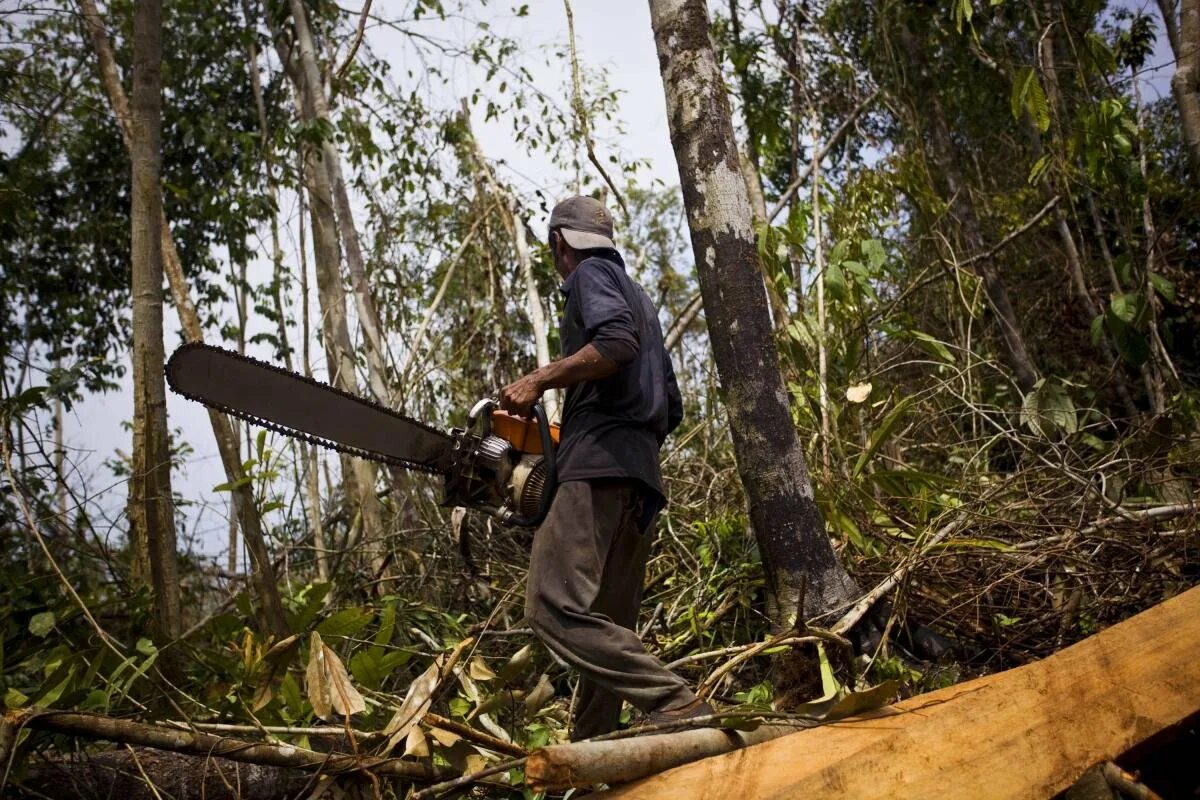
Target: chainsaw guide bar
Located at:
point(303, 408)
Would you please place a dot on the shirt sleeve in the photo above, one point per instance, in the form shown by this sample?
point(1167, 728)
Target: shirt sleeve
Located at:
point(607, 319)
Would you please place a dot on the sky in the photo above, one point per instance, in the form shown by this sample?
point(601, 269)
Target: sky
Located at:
point(613, 35)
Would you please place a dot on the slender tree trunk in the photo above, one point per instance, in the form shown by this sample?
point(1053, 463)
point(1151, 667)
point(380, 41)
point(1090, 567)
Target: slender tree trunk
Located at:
point(359, 476)
point(819, 264)
point(271, 609)
point(1185, 83)
point(311, 477)
point(963, 211)
point(796, 553)
point(151, 511)
point(318, 109)
point(307, 465)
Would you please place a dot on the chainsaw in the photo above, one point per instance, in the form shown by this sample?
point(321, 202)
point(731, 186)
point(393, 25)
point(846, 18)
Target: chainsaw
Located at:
point(497, 463)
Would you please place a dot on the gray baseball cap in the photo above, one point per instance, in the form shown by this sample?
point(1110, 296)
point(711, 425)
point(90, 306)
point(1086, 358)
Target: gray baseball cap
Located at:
point(585, 223)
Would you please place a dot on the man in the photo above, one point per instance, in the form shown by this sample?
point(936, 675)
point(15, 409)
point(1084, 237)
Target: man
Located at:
point(589, 557)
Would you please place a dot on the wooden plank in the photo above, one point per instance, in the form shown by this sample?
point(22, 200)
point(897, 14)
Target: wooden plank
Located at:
point(1028, 732)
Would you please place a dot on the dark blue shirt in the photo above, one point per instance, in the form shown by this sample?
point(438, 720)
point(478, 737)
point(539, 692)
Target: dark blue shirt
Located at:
point(614, 427)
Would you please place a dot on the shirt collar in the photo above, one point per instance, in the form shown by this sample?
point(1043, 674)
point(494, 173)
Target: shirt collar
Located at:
point(603, 255)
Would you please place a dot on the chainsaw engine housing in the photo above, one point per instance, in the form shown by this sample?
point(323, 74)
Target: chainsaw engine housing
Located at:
point(493, 469)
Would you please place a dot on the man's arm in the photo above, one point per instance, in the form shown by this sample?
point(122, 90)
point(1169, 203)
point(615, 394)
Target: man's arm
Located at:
point(587, 364)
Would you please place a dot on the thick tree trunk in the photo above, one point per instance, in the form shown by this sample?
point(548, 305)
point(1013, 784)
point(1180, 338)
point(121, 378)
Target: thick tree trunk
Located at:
point(151, 511)
point(244, 506)
point(1185, 83)
point(962, 210)
point(796, 553)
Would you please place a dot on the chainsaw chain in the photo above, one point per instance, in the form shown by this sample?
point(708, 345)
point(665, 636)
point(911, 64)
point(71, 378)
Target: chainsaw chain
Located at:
point(358, 452)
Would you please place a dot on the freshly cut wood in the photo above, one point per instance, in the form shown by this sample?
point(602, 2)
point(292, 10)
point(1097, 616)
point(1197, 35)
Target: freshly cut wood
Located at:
point(1027, 732)
point(620, 760)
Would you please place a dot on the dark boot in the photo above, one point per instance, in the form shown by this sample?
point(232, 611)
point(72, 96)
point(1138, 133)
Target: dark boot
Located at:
point(696, 708)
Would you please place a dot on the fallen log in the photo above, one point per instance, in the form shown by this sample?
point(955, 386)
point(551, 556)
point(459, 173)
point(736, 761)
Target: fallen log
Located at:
point(119, 774)
point(1027, 732)
point(95, 726)
point(584, 763)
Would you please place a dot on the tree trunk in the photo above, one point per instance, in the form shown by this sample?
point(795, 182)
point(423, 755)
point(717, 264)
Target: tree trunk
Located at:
point(962, 210)
point(1185, 83)
point(797, 555)
point(244, 506)
point(318, 109)
point(151, 511)
point(359, 476)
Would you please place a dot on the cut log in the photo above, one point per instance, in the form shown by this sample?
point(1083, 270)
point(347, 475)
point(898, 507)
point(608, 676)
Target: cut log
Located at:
point(1027, 732)
point(585, 763)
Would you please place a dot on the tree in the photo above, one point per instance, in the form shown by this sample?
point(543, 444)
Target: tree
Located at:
point(1184, 36)
point(151, 512)
point(244, 505)
point(796, 553)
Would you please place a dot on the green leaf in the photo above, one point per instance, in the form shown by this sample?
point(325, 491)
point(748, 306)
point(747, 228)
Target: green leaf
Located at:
point(1039, 109)
point(347, 622)
point(835, 281)
point(873, 252)
point(1049, 408)
point(41, 624)
point(1164, 287)
point(1127, 307)
point(1097, 328)
point(1020, 89)
point(881, 434)
point(933, 346)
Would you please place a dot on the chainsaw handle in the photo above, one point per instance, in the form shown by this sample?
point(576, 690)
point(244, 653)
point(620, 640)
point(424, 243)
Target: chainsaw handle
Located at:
point(548, 455)
point(482, 410)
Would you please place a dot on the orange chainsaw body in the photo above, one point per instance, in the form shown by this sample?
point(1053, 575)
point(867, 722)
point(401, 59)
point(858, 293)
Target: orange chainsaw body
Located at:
point(521, 433)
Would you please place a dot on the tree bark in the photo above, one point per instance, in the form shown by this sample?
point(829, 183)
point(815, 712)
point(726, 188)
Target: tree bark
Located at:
point(586, 763)
point(1185, 83)
point(962, 210)
point(151, 510)
point(796, 553)
point(244, 505)
point(95, 726)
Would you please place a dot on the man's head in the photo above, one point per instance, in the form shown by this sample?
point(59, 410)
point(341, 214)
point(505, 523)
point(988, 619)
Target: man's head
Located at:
point(578, 224)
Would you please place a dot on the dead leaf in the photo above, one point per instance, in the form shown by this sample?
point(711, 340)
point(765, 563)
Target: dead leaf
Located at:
point(540, 695)
point(277, 660)
point(476, 763)
point(415, 744)
point(859, 392)
point(444, 737)
point(480, 671)
point(420, 695)
point(329, 688)
point(518, 664)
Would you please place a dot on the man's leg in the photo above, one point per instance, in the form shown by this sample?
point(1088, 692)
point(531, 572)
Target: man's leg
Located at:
point(598, 710)
point(571, 554)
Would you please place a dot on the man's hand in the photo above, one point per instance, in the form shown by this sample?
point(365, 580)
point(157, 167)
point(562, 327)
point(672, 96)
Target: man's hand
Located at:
point(518, 396)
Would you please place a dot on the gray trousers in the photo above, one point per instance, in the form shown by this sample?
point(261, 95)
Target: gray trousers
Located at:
point(585, 586)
